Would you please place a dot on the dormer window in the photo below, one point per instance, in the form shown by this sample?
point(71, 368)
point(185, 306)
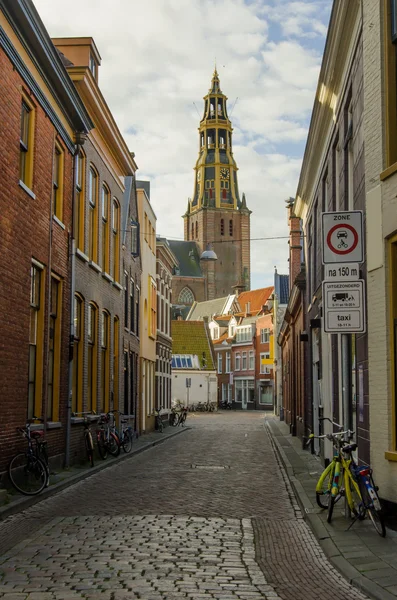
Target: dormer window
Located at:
point(93, 66)
point(215, 333)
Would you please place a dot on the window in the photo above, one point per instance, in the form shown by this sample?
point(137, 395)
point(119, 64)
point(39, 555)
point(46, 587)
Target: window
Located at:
point(105, 365)
point(93, 65)
point(54, 350)
point(227, 362)
point(244, 334)
point(251, 365)
point(192, 231)
point(230, 227)
point(186, 296)
point(238, 362)
point(324, 205)
point(215, 333)
point(232, 330)
point(197, 229)
point(336, 175)
point(116, 239)
point(348, 150)
point(78, 346)
point(80, 203)
point(134, 238)
point(57, 182)
point(393, 338)
point(126, 382)
point(224, 392)
point(105, 201)
point(183, 361)
point(390, 53)
point(93, 216)
point(245, 390)
point(132, 305)
point(153, 309)
point(244, 362)
point(36, 345)
point(116, 374)
point(222, 226)
point(265, 336)
point(126, 299)
point(138, 293)
point(265, 367)
point(26, 143)
point(92, 357)
point(219, 363)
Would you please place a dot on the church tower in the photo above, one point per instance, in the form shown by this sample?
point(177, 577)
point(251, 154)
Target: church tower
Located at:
point(216, 215)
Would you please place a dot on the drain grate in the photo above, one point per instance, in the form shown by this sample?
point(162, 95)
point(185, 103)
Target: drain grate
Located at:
point(211, 467)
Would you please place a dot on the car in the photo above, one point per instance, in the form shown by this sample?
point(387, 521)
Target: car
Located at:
point(341, 234)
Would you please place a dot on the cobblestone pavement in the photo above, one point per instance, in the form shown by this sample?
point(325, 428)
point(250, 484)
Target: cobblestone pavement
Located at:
point(209, 514)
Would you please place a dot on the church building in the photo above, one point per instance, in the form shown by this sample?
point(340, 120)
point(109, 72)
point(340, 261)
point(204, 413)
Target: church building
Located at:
point(214, 258)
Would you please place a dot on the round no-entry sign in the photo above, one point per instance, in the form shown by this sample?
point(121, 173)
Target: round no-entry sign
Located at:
point(342, 237)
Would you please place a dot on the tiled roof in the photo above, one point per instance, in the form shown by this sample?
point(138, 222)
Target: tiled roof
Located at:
point(207, 309)
point(222, 338)
point(256, 298)
point(281, 286)
point(188, 257)
point(190, 337)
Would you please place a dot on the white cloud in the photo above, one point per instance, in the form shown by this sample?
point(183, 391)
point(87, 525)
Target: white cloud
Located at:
point(157, 60)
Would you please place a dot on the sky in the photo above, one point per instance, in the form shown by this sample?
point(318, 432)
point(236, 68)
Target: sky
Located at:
point(157, 62)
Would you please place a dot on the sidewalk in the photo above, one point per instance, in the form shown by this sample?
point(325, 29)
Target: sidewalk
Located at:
point(368, 561)
point(63, 478)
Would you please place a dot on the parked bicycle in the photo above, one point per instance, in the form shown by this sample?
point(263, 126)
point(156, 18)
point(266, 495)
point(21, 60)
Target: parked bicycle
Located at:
point(88, 440)
point(107, 440)
point(28, 471)
point(126, 433)
point(178, 416)
point(159, 425)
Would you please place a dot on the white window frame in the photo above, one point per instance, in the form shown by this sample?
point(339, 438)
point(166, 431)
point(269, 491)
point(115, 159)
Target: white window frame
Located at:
point(251, 360)
point(220, 363)
point(228, 362)
point(265, 335)
point(244, 361)
point(237, 366)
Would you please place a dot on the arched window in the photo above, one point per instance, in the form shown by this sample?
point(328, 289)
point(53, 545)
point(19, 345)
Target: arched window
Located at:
point(197, 229)
point(222, 227)
point(116, 239)
point(92, 357)
point(105, 201)
point(192, 231)
point(93, 218)
point(186, 296)
point(78, 361)
point(230, 227)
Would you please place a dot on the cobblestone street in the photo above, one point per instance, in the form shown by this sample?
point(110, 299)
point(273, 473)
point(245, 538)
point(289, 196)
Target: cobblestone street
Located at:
point(207, 514)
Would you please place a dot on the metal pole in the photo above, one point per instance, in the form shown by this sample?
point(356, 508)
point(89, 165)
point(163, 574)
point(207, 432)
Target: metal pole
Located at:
point(346, 380)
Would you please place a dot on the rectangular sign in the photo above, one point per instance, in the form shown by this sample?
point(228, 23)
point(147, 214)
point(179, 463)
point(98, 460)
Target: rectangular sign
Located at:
point(345, 272)
point(343, 304)
point(342, 237)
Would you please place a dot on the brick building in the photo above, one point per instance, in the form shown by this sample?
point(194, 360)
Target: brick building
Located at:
point(216, 216)
point(102, 165)
point(43, 121)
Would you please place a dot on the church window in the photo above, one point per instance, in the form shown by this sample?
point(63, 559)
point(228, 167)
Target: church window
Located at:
point(197, 229)
point(222, 227)
point(230, 227)
point(186, 296)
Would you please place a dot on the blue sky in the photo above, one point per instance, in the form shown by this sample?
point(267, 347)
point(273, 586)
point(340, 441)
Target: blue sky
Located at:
point(159, 60)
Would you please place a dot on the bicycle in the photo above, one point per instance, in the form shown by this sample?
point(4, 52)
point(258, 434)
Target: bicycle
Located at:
point(88, 441)
point(126, 435)
point(159, 425)
point(178, 417)
point(107, 440)
point(28, 473)
point(338, 478)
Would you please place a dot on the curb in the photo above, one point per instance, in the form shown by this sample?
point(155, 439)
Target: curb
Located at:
point(331, 551)
point(27, 501)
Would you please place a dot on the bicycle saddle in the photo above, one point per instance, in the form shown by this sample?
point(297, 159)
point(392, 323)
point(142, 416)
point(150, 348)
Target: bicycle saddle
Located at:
point(36, 433)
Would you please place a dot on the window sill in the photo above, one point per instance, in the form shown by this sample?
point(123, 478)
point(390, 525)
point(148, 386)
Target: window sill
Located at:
point(81, 255)
point(392, 456)
point(117, 285)
point(27, 189)
point(389, 171)
point(80, 420)
point(107, 277)
point(58, 221)
point(94, 266)
point(54, 425)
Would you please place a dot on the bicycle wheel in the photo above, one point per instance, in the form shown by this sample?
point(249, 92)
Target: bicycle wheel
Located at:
point(114, 444)
point(127, 441)
point(183, 418)
point(101, 443)
point(375, 515)
point(42, 455)
point(27, 474)
point(159, 423)
point(323, 488)
point(354, 498)
point(89, 446)
point(174, 419)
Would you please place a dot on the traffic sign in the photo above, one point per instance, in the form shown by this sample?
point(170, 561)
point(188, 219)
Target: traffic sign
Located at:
point(345, 272)
point(343, 304)
point(342, 237)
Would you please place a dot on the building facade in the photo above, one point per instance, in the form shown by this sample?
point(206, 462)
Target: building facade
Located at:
point(264, 362)
point(148, 312)
point(43, 122)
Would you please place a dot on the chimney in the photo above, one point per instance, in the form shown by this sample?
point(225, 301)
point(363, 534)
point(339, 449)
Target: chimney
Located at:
point(295, 243)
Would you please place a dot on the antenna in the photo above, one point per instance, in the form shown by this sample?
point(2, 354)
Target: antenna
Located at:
point(235, 102)
point(196, 109)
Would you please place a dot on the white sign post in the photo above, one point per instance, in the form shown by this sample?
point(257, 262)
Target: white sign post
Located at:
point(342, 236)
point(343, 305)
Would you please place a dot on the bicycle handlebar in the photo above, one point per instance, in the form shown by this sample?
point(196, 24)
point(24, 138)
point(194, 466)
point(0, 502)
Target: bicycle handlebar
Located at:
point(332, 437)
point(332, 422)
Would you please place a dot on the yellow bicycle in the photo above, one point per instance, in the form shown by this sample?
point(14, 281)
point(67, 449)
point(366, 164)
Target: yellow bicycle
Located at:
point(338, 478)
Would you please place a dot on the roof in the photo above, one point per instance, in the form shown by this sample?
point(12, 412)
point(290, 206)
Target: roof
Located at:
point(187, 254)
point(221, 322)
point(207, 309)
point(255, 298)
point(144, 185)
point(281, 287)
point(191, 337)
point(248, 321)
point(222, 338)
